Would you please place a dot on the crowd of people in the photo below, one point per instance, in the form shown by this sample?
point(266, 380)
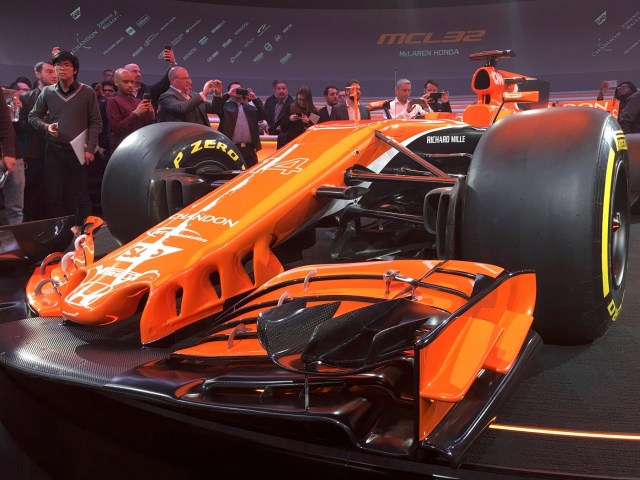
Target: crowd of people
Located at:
point(61, 132)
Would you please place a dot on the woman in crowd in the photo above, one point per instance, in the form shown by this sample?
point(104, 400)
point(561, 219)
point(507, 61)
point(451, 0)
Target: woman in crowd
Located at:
point(303, 114)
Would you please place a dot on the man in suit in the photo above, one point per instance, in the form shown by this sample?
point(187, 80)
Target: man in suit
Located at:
point(277, 106)
point(239, 112)
point(157, 89)
point(346, 110)
point(180, 104)
point(331, 97)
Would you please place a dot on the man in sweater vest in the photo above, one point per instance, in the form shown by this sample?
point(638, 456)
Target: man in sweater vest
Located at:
point(68, 112)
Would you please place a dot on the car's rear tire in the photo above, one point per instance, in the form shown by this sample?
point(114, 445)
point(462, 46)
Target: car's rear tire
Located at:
point(128, 178)
point(547, 190)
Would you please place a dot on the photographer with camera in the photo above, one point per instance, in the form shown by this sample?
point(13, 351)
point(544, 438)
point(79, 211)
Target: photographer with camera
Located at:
point(437, 101)
point(180, 104)
point(240, 110)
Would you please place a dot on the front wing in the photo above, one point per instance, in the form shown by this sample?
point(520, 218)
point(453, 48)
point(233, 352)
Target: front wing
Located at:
point(401, 358)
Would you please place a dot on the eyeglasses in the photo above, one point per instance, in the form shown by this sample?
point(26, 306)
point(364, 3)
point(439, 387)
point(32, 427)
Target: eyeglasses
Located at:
point(64, 65)
point(182, 78)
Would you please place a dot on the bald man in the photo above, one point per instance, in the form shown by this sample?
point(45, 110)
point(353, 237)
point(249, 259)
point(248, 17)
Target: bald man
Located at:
point(127, 113)
point(155, 90)
point(180, 104)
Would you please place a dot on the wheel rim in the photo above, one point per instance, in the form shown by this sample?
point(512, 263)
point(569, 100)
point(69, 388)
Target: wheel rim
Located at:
point(619, 227)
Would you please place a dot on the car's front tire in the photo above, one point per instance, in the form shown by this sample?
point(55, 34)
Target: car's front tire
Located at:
point(547, 190)
point(128, 180)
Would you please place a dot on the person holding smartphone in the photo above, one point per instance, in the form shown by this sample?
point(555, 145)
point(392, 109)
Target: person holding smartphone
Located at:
point(157, 89)
point(125, 112)
point(437, 101)
point(302, 115)
point(240, 111)
point(181, 104)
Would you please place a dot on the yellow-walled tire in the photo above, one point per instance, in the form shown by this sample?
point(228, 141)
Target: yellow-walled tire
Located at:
point(128, 203)
point(547, 190)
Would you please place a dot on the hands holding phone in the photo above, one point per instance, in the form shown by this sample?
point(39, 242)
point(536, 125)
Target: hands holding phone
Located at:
point(145, 106)
point(432, 97)
point(212, 86)
point(299, 118)
point(245, 93)
point(168, 55)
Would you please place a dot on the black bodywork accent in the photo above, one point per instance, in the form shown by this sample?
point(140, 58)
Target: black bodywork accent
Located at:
point(355, 400)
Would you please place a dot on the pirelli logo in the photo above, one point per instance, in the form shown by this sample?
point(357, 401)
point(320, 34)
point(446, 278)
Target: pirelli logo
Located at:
point(422, 38)
point(621, 141)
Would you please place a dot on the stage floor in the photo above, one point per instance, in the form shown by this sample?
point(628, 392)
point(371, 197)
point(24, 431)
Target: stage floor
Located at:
point(574, 416)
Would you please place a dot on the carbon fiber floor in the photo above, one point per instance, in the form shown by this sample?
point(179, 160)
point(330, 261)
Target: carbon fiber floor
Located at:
point(570, 392)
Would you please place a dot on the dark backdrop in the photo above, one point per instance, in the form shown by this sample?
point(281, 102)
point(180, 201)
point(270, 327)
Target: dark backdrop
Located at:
point(572, 43)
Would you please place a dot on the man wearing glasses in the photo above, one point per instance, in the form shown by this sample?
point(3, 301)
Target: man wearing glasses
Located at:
point(68, 112)
point(180, 104)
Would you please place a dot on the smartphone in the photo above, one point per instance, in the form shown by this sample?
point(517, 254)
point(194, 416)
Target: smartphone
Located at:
point(612, 83)
point(242, 92)
point(146, 96)
point(436, 95)
point(168, 47)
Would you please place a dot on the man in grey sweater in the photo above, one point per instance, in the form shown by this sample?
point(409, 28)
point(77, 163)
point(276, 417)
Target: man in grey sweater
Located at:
point(69, 114)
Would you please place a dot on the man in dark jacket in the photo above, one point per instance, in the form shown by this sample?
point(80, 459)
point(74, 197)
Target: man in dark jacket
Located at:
point(33, 145)
point(346, 110)
point(239, 112)
point(9, 168)
point(629, 117)
point(277, 106)
point(157, 89)
point(180, 104)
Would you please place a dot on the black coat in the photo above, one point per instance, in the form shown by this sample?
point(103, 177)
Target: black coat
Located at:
point(270, 109)
point(341, 112)
point(228, 113)
point(32, 141)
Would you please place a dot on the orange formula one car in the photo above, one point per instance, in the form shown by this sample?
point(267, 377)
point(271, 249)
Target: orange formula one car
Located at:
point(373, 286)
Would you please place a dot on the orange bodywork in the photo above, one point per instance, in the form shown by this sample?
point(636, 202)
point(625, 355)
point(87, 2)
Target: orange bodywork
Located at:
point(48, 284)
point(487, 335)
point(191, 263)
point(200, 261)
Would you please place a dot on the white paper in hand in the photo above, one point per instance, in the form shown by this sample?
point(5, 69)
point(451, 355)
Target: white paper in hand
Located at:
point(78, 144)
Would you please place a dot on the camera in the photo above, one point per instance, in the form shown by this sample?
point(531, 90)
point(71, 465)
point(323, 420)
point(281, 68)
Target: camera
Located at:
point(146, 96)
point(242, 92)
point(436, 95)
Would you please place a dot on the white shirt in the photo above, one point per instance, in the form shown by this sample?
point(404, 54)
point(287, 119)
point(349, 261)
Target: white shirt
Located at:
point(397, 109)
